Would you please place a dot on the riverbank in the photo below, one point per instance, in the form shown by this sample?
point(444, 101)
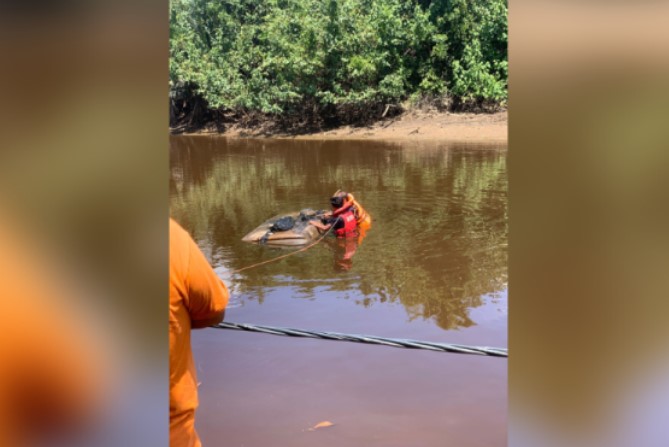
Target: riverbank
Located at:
point(413, 125)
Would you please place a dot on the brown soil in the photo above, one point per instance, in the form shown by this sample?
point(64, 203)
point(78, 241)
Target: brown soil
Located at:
point(414, 125)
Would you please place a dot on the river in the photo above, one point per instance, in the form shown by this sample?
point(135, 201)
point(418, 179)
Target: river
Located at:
point(432, 267)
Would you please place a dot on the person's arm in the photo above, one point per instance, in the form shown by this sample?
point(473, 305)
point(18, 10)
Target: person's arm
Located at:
point(319, 225)
point(199, 324)
point(207, 295)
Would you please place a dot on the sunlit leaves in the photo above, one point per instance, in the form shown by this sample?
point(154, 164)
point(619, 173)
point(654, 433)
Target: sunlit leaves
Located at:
point(279, 55)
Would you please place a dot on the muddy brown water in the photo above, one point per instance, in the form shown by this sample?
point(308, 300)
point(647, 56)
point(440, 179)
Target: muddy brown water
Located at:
point(432, 267)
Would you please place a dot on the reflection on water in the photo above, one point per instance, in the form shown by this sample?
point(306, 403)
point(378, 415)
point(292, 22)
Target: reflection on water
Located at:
point(343, 251)
point(438, 245)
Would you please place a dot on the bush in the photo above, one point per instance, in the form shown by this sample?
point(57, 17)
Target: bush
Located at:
point(336, 58)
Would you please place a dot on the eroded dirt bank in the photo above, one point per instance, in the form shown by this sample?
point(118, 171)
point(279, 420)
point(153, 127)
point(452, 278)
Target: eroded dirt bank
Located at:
point(416, 126)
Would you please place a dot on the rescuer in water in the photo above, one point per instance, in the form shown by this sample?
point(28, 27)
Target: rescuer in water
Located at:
point(363, 219)
point(347, 216)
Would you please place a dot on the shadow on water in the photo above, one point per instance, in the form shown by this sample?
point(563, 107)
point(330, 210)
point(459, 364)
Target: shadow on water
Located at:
point(437, 246)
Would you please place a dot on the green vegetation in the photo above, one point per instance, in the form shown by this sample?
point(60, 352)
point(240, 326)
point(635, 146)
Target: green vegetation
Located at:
point(334, 61)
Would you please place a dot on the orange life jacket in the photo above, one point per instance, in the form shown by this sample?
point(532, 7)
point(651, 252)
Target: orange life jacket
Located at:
point(360, 214)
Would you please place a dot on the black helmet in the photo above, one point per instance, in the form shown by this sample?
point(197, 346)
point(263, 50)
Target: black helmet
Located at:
point(336, 201)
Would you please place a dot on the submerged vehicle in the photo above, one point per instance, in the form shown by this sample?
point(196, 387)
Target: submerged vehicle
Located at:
point(287, 229)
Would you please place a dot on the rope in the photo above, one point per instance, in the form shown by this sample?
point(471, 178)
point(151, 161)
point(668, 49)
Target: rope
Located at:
point(283, 256)
point(394, 342)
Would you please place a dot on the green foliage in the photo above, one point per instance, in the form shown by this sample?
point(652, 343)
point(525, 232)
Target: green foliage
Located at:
point(474, 78)
point(282, 56)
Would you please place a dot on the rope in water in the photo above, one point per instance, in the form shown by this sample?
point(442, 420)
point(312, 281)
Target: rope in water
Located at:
point(369, 339)
point(232, 272)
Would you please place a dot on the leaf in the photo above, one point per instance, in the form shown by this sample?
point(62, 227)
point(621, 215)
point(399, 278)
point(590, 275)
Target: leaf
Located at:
point(323, 424)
